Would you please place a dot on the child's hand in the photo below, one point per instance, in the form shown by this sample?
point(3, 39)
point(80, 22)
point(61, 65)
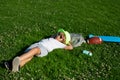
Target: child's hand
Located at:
point(69, 47)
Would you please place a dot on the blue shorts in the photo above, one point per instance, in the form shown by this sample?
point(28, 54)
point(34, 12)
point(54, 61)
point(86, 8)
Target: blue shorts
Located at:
point(43, 50)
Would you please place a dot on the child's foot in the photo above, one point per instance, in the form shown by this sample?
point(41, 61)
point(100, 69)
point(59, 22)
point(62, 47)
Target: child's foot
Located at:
point(15, 64)
point(7, 65)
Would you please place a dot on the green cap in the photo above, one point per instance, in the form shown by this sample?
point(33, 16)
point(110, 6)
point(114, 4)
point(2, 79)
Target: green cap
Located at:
point(67, 35)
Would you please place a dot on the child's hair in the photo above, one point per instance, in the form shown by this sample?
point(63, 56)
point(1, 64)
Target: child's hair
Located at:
point(55, 35)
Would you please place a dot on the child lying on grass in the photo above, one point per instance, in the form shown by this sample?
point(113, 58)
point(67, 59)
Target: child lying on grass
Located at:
point(42, 48)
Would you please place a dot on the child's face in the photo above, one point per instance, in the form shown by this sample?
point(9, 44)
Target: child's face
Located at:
point(61, 37)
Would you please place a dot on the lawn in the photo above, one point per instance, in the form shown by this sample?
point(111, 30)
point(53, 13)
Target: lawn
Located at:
point(23, 22)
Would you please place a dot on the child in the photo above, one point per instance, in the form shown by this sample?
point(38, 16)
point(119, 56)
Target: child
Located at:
point(41, 48)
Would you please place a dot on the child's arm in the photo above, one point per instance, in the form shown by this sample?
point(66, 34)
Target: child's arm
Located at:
point(69, 47)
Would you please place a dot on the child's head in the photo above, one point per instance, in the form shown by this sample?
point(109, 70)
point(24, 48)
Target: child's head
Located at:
point(64, 36)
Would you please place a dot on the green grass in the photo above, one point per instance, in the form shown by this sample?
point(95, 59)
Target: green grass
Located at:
point(23, 22)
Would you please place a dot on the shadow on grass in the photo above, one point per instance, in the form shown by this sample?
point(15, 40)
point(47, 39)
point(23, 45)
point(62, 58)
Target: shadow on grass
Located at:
point(9, 62)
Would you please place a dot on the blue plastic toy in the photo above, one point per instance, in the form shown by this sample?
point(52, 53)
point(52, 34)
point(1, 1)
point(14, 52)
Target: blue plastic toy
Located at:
point(107, 38)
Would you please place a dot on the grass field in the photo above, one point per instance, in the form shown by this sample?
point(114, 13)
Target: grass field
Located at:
point(23, 22)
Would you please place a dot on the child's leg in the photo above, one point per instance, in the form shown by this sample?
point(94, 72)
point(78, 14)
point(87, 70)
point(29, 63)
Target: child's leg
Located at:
point(22, 63)
point(32, 52)
point(23, 59)
point(28, 56)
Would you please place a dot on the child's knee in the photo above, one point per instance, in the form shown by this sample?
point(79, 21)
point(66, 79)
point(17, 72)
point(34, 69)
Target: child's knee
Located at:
point(37, 50)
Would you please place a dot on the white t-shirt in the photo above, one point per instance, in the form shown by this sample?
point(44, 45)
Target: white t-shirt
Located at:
point(51, 44)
